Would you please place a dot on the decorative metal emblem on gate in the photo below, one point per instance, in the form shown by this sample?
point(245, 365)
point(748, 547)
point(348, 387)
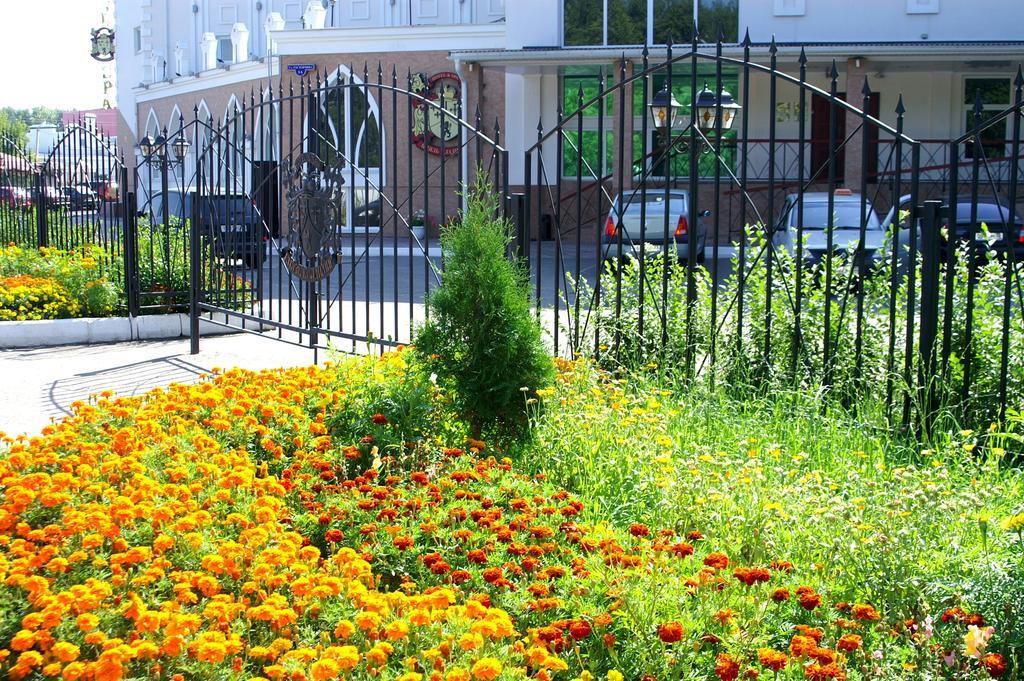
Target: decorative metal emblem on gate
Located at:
point(102, 43)
point(435, 128)
point(312, 197)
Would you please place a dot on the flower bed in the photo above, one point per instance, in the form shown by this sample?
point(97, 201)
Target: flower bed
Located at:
point(304, 524)
point(48, 283)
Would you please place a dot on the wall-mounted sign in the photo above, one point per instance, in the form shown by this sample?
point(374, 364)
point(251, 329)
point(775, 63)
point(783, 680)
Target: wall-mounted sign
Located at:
point(312, 193)
point(301, 69)
point(103, 44)
point(435, 122)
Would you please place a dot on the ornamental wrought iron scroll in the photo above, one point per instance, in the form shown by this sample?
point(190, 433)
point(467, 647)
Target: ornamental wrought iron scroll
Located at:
point(312, 194)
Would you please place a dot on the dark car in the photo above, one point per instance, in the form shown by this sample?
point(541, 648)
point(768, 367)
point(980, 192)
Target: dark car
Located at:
point(81, 197)
point(654, 208)
point(1003, 229)
point(54, 197)
point(231, 221)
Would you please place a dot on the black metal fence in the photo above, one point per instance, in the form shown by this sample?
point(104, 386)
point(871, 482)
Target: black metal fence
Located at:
point(850, 258)
point(778, 263)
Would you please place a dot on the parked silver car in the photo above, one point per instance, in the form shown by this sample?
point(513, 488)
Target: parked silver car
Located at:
point(654, 208)
point(846, 224)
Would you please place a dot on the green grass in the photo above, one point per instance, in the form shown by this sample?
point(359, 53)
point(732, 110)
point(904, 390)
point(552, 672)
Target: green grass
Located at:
point(791, 477)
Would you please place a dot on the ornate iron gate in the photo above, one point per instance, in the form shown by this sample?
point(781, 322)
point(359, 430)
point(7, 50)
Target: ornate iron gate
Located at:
point(306, 219)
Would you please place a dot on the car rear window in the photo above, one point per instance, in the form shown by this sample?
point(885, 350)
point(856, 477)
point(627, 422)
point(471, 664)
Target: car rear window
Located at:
point(656, 206)
point(847, 216)
point(987, 212)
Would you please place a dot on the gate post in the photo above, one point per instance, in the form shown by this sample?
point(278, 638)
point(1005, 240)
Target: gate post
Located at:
point(517, 212)
point(42, 228)
point(131, 262)
point(194, 258)
point(930, 241)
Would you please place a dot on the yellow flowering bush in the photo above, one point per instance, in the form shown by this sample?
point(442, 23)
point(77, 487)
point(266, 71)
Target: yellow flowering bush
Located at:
point(79, 275)
point(24, 297)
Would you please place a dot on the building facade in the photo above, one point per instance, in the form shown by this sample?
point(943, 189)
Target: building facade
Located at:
point(522, 62)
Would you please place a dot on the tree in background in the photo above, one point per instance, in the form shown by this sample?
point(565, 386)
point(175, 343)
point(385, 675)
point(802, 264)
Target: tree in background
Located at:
point(14, 123)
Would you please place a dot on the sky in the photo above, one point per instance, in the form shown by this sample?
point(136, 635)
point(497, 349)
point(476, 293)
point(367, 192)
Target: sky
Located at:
point(44, 54)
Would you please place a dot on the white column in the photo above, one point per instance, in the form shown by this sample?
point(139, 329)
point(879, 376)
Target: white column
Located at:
point(315, 16)
point(239, 43)
point(181, 59)
point(274, 22)
point(209, 51)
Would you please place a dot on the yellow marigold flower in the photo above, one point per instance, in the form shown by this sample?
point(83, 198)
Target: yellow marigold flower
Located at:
point(457, 674)
point(344, 629)
point(23, 640)
point(471, 641)
point(614, 675)
point(487, 669)
point(324, 670)
point(410, 676)
point(396, 631)
point(64, 651)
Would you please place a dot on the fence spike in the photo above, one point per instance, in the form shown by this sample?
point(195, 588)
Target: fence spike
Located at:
point(900, 109)
point(803, 57)
point(833, 73)
point(977, 102)
point(746, 38)
point(1019, 80)
point(866, 90)
point(773, 48)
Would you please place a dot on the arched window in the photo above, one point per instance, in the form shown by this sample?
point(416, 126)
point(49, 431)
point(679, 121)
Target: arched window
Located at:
point(344, 130)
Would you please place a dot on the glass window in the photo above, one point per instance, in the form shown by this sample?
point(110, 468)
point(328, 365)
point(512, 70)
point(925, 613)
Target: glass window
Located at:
point(995, 96)
point(718, 16)
point(583, 22)
point(627, 22)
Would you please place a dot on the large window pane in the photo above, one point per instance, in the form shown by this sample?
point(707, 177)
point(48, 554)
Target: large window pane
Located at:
point(992, 137)
point(994, 91)
point(589, 78)
point(627, 22)
point(673, 19)
point(580, 158)
point(583, 22)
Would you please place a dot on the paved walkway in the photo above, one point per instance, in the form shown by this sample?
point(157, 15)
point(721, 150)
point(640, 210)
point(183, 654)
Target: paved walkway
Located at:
point(37, 385)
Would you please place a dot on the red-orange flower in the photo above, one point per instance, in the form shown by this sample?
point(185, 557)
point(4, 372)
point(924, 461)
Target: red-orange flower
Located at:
point(849, 642)
point(726, 668)
point(717, 560)
point(579, 629)
point(670, 632)
point(380, 419)
point(772, 659)
point(994, 664)
point(865, 613)
point(639, 530)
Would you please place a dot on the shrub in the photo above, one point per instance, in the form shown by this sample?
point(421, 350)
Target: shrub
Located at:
point(82, 274)
point(481, 338)
point(23, 297)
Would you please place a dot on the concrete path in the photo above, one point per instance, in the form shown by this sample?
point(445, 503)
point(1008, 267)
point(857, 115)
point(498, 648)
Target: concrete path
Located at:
point(37, 385)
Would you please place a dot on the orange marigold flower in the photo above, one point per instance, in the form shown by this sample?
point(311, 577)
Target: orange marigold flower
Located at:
point(849, 642)
point(780, 594)
point(994, 664)
point(334, 535)
point(772, 659)
point(670, 632)
point(579, 629)
point(380, 419)
point(486, 669)
point(817, 672)
point(639, 530)
point(809, 600)
point(403, 542)
point(726, 668)
point(717, 560)
point(802, 645)
point(865, 613)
